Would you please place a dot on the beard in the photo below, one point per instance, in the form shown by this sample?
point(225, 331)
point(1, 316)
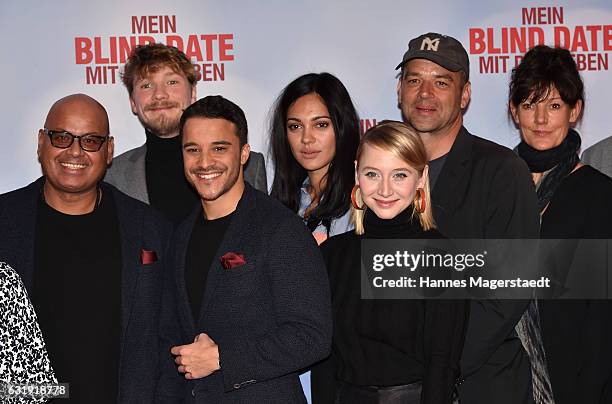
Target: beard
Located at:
point(163, 125)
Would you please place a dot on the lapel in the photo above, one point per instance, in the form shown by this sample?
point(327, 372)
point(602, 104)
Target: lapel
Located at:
point(606, 159)
point(130, 222)
point(27, 213)
point(232, 242)
point(451, 181)
point(136, 177)
point(130, 230)
point(181, 243)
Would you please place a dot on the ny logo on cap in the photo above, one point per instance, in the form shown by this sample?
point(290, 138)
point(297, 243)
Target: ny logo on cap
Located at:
point(430, 44)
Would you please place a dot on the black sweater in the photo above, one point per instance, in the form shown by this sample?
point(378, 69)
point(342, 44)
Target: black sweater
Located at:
point(387, 342)
point(169, 191)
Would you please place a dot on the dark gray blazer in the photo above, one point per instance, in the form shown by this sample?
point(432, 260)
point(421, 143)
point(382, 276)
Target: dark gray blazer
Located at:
point(140, 228)
point(127, 173)
point(270, 317)
point(600, 156)
point(485, 191)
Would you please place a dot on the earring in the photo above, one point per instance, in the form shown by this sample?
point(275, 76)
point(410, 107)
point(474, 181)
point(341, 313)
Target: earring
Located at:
point(354, 198)
point(419, 200)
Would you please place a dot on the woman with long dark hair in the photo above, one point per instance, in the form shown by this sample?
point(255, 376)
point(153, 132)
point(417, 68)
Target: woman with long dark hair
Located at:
point(314, 133)
point(568, 341)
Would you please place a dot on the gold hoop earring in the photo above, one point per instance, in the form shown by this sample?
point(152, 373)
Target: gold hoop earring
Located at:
point(354, 198)
point(420, 204)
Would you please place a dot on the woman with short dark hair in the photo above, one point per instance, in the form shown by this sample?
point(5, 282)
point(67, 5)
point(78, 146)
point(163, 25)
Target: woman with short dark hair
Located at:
point(569, 344)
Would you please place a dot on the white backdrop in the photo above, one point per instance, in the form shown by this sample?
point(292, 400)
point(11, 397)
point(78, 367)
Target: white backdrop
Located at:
point(267, 44)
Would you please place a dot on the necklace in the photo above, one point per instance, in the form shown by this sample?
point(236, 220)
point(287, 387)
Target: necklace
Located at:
point(96, 204)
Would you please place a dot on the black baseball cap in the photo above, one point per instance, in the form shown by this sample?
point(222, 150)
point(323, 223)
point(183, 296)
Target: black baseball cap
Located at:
point(441, 49)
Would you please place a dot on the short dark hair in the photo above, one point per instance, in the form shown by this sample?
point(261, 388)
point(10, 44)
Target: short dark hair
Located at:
point(152, 57)
point(542, 68)
point(215, 106)
point(289, 175)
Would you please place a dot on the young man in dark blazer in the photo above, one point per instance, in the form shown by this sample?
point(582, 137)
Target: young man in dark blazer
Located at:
point(479, 190)
point(91, 259)
point(248, 305)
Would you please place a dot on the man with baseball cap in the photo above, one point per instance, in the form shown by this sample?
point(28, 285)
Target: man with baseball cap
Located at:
point(479, 190)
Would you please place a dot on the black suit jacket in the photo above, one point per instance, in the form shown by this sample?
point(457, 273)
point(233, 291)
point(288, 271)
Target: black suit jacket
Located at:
point(140, 228)
point(270, 317)
point(485, 191)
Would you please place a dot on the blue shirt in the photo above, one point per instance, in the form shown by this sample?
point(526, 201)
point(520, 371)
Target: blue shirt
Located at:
point(338, 226)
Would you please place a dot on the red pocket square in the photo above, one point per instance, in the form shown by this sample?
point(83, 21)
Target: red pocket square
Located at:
point(231, 259)
point(147, 257)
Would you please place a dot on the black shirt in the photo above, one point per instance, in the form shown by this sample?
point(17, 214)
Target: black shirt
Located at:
point(203, 244)
point(435, 167)
point(387, 342)
point(77, 297)
point(168, 189)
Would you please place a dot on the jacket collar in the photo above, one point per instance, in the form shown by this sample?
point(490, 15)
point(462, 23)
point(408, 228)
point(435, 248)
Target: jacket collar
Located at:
point(455, 168)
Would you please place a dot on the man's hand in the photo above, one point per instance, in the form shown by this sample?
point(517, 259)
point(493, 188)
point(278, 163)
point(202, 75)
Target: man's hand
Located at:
point(198, 359)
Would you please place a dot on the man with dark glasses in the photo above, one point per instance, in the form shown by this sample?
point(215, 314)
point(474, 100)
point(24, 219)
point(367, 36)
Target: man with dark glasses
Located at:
point(91, 259)
point(63, 140)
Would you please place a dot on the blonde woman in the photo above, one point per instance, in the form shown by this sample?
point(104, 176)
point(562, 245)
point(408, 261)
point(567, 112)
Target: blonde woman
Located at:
point(388, 351)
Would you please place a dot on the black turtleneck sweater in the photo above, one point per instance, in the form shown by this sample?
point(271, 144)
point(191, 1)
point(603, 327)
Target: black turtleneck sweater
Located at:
point(169, 191)
point(387, 342)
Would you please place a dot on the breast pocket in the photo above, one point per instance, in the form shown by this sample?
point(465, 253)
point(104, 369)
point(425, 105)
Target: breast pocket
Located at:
point(239, 271)
point(150, 270)
point(242, 281)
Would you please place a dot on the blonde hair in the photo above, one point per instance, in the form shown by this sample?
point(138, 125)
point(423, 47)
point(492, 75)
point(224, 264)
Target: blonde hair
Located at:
point(401, 141)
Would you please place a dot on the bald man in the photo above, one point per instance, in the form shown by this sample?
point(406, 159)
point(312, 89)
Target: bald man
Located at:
point(91, 259)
